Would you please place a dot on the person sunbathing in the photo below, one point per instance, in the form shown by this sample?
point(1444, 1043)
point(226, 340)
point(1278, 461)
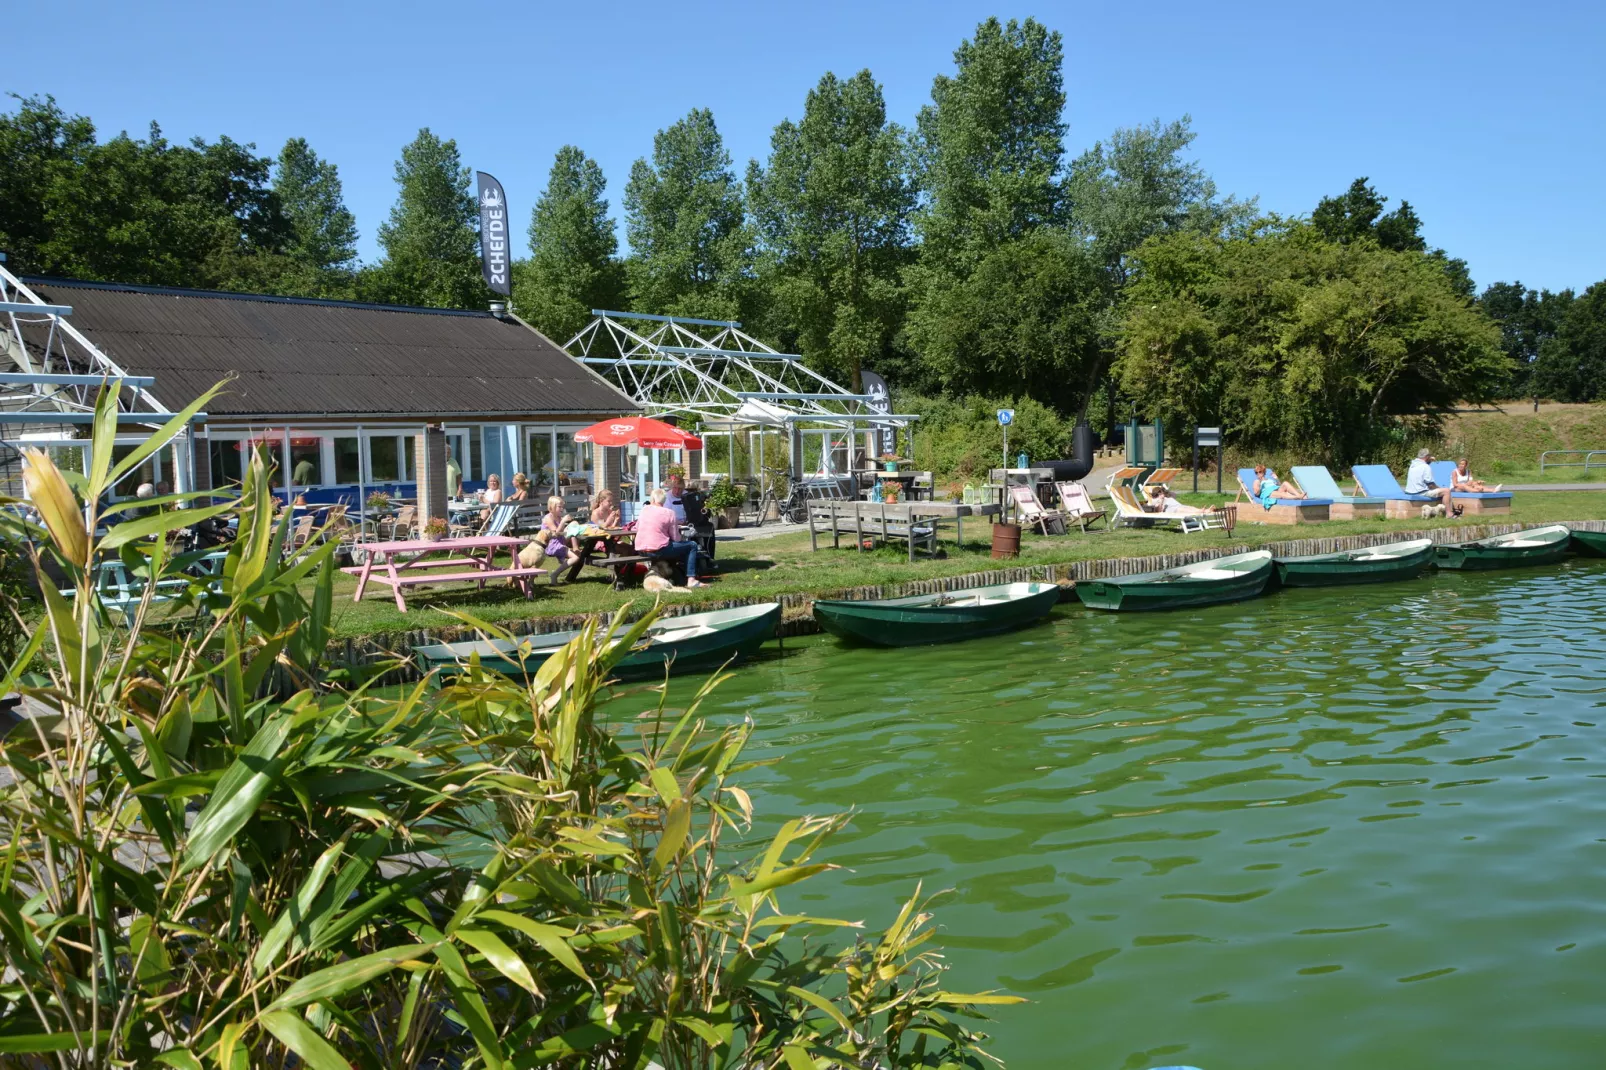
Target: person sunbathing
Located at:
point(1463, 480)
point(1161, 500)
point(1266, 490)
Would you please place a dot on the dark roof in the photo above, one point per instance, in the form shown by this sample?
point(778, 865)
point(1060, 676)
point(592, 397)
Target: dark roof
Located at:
point(297, 356)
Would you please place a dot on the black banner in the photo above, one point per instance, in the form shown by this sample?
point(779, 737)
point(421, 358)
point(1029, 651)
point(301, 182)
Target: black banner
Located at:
point(495, 254)
point(880, 401)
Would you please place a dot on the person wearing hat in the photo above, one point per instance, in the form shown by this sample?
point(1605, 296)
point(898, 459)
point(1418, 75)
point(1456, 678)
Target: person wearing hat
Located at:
point(1419, 480)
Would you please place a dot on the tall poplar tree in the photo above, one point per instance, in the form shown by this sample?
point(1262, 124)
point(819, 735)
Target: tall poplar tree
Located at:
point(431, 242)
point(832, 212)
point(684, 217)
point(573, 266)
point(322, 245)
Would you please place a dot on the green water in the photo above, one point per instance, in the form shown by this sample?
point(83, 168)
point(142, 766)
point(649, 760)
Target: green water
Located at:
point(1335, 828)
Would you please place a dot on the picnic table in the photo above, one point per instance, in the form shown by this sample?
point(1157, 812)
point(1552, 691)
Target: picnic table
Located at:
point(616, 546)
point(914, 522)
point(410, 562)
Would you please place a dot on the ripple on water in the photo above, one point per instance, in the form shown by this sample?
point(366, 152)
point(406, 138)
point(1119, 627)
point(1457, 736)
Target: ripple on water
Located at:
point(1326, 828)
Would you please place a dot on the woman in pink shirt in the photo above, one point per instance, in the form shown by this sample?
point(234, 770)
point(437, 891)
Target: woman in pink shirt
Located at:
point(658, 536)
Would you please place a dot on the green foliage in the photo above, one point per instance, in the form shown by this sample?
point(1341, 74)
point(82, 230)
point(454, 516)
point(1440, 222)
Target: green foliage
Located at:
point(959, 438)
point(1298, 343)
point(832, 211)
point(431, 242)
point(684, 217)
point(1357, 215)
point(1572, 364)
point(725, 494)
point(323, 232)
point(224, 852)
point(572, 267)
point(1527, 319)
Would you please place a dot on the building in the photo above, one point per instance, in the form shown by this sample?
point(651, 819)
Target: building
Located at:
point(340, 390)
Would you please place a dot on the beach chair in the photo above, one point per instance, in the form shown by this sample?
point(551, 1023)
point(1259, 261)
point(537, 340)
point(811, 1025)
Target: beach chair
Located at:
point(1032, 513)
point(1318, 482)
point(1376, 481)
point(500, 522)
point(1282, 510)
point(1078, 506)
point(1491, 501)
point(1130, 514)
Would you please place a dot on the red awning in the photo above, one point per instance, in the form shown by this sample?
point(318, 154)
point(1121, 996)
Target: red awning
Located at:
point(276, 442)
point(647, 433)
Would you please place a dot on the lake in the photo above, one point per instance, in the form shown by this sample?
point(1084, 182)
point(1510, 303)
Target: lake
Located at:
point(1358, 827)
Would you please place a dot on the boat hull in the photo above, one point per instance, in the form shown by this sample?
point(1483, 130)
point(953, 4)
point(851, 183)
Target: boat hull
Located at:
point(920, 621)
point(1589, 543)
point(730, 641)
point(1342, 570)
point(1492, 554)
point(1124, 595)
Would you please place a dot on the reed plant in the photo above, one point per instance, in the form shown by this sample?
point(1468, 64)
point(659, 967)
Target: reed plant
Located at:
point(221, 850)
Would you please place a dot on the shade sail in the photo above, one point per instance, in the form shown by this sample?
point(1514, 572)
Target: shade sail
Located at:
point(647, 433)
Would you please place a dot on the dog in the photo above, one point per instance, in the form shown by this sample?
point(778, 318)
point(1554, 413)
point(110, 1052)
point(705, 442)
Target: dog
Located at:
point(1430, 511)
point(656, 584)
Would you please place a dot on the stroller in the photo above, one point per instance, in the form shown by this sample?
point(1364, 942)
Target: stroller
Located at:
point(702, 528)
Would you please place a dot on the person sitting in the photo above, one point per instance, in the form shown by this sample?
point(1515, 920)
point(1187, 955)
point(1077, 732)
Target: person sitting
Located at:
point(604, 510)
point(658, 536)
point(1267, 491)
point(554, 522)
point(1462, 480)
point(1419, 480)
point(491, 495)
point(521, 488)
point(1161, 500)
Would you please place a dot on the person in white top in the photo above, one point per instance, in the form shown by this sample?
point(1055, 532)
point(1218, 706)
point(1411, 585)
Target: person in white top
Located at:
point(1464, 481)
point(491, 495)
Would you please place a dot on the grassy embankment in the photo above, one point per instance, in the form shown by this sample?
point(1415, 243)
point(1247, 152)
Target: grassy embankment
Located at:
point(764, 568)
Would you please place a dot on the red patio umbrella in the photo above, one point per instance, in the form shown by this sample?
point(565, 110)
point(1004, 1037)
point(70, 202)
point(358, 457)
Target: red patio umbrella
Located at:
point(647, 433)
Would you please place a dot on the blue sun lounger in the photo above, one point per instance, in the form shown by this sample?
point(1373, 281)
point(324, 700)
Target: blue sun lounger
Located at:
point(1474, 501)
point(1283, 510)
point(1318, 482)
point(1376, 481)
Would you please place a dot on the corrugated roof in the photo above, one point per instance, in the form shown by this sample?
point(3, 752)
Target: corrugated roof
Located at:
point(295, 356)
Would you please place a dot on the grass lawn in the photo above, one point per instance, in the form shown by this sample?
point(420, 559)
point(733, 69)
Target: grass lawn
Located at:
point(762, 568)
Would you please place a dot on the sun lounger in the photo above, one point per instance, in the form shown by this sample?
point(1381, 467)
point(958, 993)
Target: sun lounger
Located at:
point(1376, 481)
point(1078, 505)
point(1129, 513)
point(1282, 510)
point(1471, 501)
point(1318, 482)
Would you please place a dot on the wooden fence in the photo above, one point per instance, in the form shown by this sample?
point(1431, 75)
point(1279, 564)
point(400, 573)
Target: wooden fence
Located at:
point(797, 608)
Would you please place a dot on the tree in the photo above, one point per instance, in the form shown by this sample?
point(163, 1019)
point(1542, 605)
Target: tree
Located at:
point(832, 212)
point(684, 219)
point(991, 140)
point(1572, 364)
point(1298, 343)
point(323, 232)
point(1527, 319)
point(431, 242)
point(1357, 215)
point(572, 267)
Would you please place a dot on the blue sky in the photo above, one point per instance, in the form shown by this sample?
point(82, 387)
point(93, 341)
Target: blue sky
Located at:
point(1486, 117)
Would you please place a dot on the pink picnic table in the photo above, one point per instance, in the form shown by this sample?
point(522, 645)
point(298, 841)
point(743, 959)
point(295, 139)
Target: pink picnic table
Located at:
point(472, 559)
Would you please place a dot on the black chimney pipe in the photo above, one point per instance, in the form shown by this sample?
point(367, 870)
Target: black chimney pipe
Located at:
point(1080, 463)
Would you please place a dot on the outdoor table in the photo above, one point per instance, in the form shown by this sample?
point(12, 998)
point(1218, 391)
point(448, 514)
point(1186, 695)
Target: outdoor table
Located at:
point(884, 515)
point(616, 542)
point(477, 552)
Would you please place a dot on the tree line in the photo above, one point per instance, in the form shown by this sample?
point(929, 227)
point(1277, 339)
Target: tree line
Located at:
point(965, 255)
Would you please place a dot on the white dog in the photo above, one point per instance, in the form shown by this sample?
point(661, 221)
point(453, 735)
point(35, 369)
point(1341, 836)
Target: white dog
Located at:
point(1429, 511)
point(656, 584)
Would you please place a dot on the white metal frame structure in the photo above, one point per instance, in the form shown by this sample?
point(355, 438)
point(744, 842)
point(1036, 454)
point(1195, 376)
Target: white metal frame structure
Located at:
point(50, 375)
point(712, 376)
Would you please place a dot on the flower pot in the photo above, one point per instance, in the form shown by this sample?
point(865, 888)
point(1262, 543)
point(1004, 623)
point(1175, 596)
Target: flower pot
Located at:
point(890, 466)
point(732, 516)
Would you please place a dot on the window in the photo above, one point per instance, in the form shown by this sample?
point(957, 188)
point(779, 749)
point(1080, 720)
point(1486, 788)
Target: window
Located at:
point(145, 473)
point(228, 462)
point(475, 464)
point(306, 461)
point(383, 463)
point(409, 457)
point(348, 466)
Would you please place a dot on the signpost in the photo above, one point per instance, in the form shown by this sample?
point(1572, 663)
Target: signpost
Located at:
point(1005, 418)
point(1206, 436)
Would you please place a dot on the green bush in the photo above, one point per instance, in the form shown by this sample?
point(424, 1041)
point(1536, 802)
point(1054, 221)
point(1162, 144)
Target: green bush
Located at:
point(959, 438)
point(224, 852)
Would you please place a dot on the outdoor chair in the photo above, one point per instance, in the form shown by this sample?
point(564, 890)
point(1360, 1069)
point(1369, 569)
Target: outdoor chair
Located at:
point(1281, 510)
point(1032, 513)
point(1077, 506)
point(500, 522)
point(1376, 481)
point(401, 525)
point(1130, 514)
point(1318, 482)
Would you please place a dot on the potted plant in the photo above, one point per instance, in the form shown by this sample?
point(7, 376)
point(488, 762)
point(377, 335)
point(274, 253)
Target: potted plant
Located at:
point(435, 528)
point(378, 502)
point(726, 499)
point(675, 471)
point(889, 462)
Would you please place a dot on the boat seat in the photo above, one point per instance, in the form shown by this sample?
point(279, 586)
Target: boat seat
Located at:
point(1214, 574)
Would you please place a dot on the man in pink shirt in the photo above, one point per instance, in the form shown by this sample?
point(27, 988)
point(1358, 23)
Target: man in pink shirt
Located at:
point(658, 536)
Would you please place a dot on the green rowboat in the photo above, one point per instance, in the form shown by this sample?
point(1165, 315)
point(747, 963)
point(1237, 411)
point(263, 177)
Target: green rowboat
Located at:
point(1224, 579)
point(693, 642)
point(1534, 546)
point(1589, 543)
point(1370, 564)
point(938, 618)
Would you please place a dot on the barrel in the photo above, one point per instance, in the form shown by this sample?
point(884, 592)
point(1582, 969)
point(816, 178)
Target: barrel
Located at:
point(1006, 540)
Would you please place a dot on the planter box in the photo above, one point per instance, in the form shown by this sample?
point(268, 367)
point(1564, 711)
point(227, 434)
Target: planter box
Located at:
point(1286, 512)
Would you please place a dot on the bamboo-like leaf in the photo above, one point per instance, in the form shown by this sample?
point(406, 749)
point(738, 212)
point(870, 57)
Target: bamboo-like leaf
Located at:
point(471, 1008)
point(56, 505)
point(294, 1033)
point(498, 954)
point(777, 879)
point(663, 781)
point(27, 1043)
point(238, 794)
point(677, 826)
point(180, 1059)
point(295, 913)
point(552, 939)
point(148, 527)
point(797, 1058)
point(336, 980)
point(158, 438)
point(963, 999)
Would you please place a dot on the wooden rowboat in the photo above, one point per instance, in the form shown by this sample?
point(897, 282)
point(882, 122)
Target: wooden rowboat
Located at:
point(1370, 564)
point(693, 642)
point(1223, 579)
point(938, 618)
point(1589, 543)
point(1534, 546)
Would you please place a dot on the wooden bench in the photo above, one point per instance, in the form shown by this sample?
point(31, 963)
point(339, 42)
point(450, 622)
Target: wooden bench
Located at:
point(443, 562)
point(620, 563)
point(414, 575)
